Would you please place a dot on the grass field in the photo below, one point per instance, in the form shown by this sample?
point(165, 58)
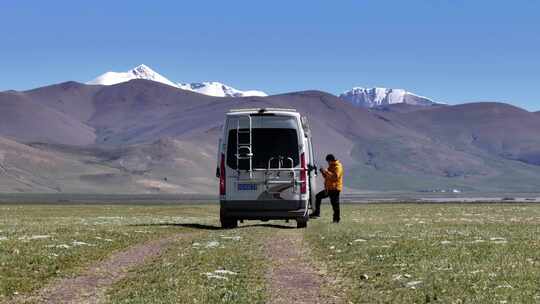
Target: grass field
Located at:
point(38, 243)
point(402, 253)
point(428, 253)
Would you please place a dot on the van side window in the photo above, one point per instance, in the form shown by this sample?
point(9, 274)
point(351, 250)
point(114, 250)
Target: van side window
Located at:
point(266, 143)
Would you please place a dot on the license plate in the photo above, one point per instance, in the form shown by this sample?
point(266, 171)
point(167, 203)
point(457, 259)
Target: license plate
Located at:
point(247, 187)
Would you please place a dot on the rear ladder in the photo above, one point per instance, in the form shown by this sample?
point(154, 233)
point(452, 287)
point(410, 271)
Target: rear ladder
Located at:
point(244, 144)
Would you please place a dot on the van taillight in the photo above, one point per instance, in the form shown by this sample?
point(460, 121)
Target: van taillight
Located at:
point(222, 188)
point(303, 173)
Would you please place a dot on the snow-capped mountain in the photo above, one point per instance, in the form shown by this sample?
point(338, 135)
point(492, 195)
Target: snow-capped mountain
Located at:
point(142, 71)
point(373, 97)
point(214, 88)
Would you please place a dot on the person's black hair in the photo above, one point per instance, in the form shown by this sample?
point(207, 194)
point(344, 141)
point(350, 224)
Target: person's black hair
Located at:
point(330, 157)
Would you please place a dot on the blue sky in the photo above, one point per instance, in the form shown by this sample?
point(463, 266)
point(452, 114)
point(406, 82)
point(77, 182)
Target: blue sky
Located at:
point(450, 50)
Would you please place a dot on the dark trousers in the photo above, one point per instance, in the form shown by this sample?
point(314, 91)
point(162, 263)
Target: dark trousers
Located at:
point(334, 200)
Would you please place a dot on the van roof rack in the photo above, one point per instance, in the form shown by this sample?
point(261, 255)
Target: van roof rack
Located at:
point(261, 110)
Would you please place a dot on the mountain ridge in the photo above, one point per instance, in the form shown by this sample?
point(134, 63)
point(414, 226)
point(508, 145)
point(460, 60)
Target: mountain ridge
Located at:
point(143, 136)
point(142, 71)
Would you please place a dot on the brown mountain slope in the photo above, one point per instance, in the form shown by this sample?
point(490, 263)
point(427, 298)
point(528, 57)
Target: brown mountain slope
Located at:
point(27, 169)
point(22, 117)
point(166, 166)
point(142, 136)
point(496, 128)
point(70, 98)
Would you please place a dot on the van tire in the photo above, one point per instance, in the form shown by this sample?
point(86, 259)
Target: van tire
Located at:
point(301, 222)
point(228, 223)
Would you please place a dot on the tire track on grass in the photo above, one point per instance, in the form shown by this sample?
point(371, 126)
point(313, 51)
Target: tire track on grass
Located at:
point(292, 278)
point(90, 287)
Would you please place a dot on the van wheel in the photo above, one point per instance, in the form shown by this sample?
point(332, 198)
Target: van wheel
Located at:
point(301, 223)
point(228, 223)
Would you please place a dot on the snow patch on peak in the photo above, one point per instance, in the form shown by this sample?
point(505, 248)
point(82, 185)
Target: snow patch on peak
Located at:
point(218, 89)
point(373, 97)
point(140, 72)
point(211, 88)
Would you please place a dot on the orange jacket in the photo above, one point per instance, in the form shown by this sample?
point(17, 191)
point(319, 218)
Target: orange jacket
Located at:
point(333, 176)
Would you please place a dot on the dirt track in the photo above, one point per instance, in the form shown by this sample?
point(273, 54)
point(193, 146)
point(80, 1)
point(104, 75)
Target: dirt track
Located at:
point(292, 278)
point(90, 286)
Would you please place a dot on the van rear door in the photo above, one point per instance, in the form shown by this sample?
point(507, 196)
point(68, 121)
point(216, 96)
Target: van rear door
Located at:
point(275, 143)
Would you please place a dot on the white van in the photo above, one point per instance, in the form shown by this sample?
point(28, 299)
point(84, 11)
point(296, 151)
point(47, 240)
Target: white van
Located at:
point(265, 167)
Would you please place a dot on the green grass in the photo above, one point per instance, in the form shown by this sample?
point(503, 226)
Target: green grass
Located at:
point(434, 253)
point(39, 243)
point(187, 272)
point(401, 253)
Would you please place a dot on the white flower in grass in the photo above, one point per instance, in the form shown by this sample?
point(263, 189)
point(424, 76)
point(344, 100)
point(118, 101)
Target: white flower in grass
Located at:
point(211, 275)
point(234, 238)
point(413, 284)
point(212, 244)
point(225, 272)
point(80, 243)
point(220, 274)
point(34, 237)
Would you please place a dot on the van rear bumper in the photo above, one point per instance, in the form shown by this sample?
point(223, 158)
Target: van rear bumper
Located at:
point(260, 209)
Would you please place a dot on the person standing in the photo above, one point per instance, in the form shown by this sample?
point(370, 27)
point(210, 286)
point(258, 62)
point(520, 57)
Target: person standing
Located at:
point(333, 185)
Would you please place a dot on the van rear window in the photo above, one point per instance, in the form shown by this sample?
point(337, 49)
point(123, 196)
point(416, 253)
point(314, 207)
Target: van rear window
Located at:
point(266, 143)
